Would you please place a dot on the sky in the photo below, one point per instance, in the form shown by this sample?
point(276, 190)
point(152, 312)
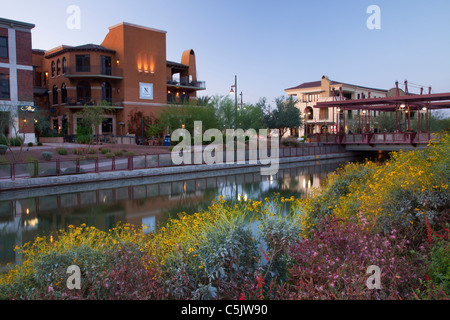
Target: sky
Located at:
point(269, 45)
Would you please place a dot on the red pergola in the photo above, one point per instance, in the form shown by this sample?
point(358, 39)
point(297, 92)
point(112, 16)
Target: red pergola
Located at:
point(402, 105)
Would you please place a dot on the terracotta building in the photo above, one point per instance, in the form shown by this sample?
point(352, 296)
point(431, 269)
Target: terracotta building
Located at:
point(16, 79)
point(128, 71)
point(323, 120)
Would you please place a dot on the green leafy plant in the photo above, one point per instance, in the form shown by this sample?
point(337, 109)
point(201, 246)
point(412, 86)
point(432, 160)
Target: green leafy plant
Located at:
point(47, 155)
point(62, 151)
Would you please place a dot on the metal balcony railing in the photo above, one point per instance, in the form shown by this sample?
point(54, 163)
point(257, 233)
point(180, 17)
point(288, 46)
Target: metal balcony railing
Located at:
point(94, 71)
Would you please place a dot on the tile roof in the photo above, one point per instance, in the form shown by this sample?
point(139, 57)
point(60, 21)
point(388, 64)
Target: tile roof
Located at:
point(314, 84)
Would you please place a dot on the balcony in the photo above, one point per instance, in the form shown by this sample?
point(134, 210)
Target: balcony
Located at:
point(114, 103)
point(186, 84)
point(94, 72)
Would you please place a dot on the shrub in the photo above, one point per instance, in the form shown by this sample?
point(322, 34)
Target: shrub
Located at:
point(129, 153)
point(332, 264)
point(84, 139)
point(109, 155)
point(105, 150)
point(290, 142)
point(92, 151)
point(62, 151)
point(47, 155)
point(3, 149)
point(39, 144)
point(118, 153)
point(30, 144)
point(91, 157)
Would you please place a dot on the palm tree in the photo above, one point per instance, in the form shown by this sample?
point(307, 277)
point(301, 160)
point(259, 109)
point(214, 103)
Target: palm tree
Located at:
point(203, 101)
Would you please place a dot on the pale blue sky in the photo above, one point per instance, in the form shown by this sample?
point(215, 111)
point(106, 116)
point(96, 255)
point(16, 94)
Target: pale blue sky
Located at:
point(270, 45)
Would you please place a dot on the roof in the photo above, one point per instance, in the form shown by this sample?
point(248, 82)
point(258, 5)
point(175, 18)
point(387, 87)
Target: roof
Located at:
point(307, 85)
point(14, 23)
point(84, 47)
point(313, 84)
point(176, 64)
point(123, 23)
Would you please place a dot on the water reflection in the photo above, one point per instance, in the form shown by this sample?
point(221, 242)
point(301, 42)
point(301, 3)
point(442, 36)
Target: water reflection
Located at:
point(139, 201)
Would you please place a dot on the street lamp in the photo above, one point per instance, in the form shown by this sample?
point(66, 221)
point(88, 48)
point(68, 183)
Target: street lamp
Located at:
point(235, 100)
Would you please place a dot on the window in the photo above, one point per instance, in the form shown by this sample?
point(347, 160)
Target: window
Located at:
point(63, 93)
point(55, 94)
point(107, 126)
point(64, 65)
point(83, 92)
point(58, 67)
point(4, 86)
point(3, 47)
point(83, 63)
point(106, 92)
point(323, 114)
point(53, 68)
point(105, 63)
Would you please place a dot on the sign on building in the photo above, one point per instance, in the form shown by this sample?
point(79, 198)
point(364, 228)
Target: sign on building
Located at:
point(146, 91)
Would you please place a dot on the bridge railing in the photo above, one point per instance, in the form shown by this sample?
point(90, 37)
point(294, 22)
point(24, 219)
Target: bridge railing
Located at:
point(380, 138)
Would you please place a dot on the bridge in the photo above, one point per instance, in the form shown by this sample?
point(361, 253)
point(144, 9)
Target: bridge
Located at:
point(379, 141)
point(402, 104)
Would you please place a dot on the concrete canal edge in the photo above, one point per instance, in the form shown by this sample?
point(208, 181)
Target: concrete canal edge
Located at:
point(31, 183)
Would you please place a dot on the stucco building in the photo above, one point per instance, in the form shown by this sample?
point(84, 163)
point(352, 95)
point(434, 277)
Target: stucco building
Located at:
point(323, 120)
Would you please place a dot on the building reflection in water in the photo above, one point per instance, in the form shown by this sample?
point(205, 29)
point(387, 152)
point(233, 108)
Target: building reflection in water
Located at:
point(22, 220)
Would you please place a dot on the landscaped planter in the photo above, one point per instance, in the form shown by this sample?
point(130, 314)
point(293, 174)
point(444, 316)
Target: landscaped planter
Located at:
point(51, 139)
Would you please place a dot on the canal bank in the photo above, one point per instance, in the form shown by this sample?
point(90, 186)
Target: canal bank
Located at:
point(198, 170)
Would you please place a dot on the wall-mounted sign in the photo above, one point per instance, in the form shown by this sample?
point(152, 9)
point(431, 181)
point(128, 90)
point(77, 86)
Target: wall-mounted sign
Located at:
point(146, 91)
point(27, 108)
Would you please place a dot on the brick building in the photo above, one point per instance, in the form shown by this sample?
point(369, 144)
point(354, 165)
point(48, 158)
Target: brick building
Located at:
point(128, 71)
point(16, 79)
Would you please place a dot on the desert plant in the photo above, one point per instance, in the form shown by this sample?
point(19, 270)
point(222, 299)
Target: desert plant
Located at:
point(47, 155)
point(62, 151)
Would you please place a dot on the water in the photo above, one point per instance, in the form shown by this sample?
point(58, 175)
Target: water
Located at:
point(150, 201)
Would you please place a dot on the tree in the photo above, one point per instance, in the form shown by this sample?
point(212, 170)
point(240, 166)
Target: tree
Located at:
point(91, 117)
point(251, 117)
point(203, 101)
point(177, 116)
point(7, 122)
point(286, 115)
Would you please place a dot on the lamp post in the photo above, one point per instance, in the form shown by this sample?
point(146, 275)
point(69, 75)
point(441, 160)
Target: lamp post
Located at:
point(235, 100)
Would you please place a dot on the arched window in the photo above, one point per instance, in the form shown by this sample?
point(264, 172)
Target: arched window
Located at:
point(58, 67)
point(63, 93)
point(64, 65)
point(83, 92)
point(53, 68)
point(55, 94)
point(106, 92)
point(309, 113)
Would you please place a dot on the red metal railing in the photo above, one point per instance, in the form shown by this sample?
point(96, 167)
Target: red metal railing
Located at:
point(62, 167)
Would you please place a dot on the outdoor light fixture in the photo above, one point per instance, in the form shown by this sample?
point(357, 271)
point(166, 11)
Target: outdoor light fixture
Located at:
point(424, 108)
point(402, 106)
point(232, 91)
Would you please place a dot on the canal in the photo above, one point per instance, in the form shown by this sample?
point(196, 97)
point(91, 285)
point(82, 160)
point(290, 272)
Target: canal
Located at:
point(150, 201)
